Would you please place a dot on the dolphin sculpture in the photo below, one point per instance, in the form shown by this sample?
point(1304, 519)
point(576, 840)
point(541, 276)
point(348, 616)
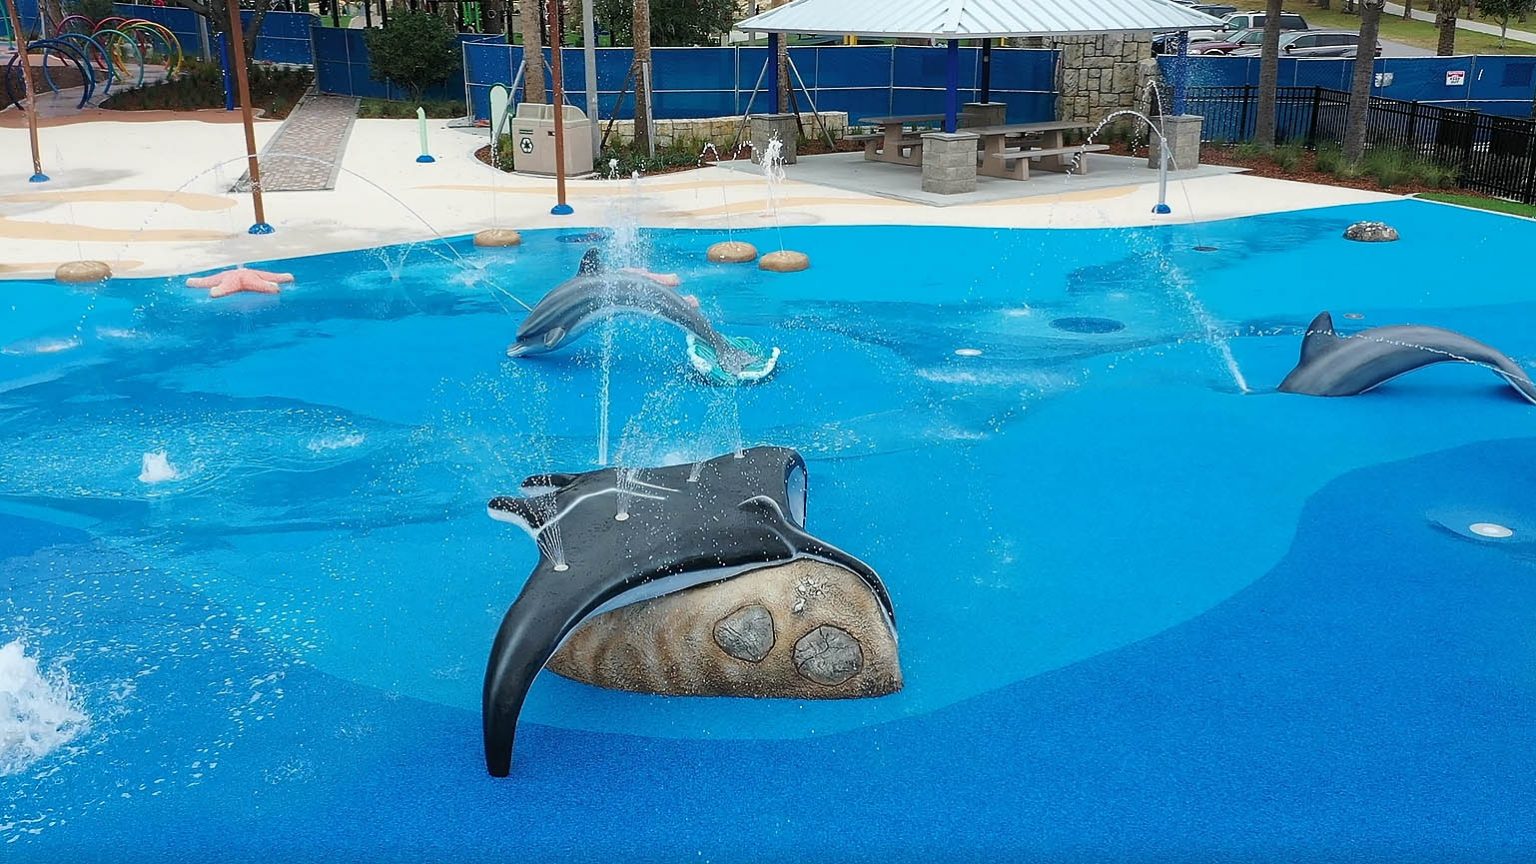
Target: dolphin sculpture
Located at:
point(1336, 365)
point(627, 535)
point(595, 293)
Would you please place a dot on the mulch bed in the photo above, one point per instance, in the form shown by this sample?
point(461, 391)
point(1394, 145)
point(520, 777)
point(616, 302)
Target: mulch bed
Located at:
point(1305, 170)
point(806, 148)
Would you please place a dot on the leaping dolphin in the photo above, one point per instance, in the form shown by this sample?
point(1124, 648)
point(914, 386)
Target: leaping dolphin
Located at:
point(594, 293)
point(1337, 365)
point(681, 526)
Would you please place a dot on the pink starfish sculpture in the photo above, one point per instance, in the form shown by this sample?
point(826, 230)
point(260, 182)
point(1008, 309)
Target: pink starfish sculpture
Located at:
point(241, 279)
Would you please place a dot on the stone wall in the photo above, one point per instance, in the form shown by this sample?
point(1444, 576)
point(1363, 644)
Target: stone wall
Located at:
point(1096, 74)
point(721, 131)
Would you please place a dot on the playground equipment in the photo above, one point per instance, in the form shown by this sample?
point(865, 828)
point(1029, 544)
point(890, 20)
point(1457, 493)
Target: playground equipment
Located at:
point(69, 52)
point(112, 39)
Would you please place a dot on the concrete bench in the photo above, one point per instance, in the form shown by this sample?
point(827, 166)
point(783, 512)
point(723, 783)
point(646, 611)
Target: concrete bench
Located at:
point(909, 149)
point(1014, 164)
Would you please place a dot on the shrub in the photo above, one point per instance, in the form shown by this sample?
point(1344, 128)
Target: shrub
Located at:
point(416, 51)
point(1287, 156)
point(1329, 159)
point(1250, 150)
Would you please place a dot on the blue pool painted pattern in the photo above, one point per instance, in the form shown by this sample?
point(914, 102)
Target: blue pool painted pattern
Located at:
point(1144, 614)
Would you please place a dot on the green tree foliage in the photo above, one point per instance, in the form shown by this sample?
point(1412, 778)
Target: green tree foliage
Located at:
point(96, 10)
point(416, 51)
point(1503, 11)
point(673, 22)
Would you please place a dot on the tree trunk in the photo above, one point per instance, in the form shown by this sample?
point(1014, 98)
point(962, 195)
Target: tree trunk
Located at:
point(1355, 121)
point(1407, 10)
point(1445, 19)
point(642, 39)
point(1269, 76)
point(533, 52)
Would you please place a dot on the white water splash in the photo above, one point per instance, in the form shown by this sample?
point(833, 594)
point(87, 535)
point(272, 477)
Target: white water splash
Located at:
point(41, 346)
point(340, 441)
point(39, 713)
point(156, 467)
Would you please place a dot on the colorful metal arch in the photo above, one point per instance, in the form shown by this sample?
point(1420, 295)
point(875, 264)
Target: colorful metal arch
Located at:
point(90, 25)
point(167, 38)
point(108, 22)
point(66, 50)
point(86, 44)
point(102, 36)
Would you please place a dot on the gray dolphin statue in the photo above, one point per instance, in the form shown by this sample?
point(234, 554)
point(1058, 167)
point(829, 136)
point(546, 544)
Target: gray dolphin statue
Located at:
point(1336, 365)
point(595, 293)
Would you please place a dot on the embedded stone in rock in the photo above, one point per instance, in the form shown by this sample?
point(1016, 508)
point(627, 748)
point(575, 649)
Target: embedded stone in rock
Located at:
point(784, 261)
point(722, 639)
point(498, 237)
point(828, 656)
point(747, 633)
point(1371, 232)
point(83, 271)
point(732, 252)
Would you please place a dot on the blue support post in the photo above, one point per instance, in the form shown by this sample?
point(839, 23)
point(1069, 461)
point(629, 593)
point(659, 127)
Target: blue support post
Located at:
point(773, 72)
point(1181, 73)
point(952, 87)
point(221, 43)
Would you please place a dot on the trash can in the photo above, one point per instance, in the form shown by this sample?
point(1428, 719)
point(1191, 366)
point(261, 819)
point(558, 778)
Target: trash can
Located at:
point(533, 140)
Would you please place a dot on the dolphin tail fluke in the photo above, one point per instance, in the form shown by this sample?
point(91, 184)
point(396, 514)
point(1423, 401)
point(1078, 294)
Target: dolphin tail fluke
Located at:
point(1516, 377)
point(530, 633)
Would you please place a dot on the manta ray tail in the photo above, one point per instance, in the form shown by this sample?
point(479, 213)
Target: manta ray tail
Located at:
point(533, 629)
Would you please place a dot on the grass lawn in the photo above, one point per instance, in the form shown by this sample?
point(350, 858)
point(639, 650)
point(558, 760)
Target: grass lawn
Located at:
point(1419, 33)
point(399, 110)
point(1497, 205)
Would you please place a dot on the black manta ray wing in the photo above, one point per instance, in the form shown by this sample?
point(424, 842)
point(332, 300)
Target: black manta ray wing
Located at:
point(683, 525)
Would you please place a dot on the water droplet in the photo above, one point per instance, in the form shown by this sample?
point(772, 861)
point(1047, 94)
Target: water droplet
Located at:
point(1491, 529)
point(1354, 316)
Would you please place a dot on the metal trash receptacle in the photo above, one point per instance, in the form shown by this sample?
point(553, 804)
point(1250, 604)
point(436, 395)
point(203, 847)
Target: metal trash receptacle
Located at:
point(533, 140)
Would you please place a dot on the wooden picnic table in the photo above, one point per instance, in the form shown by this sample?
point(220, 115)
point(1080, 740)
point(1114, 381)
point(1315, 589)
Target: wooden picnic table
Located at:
point(1049, 147)
point(892, 144)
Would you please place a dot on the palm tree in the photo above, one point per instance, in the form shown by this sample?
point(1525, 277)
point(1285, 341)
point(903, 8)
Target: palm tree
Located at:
point(642, 39)
point(1360, 87)
point(533, 51)
point(1269, 76)
point(1445, 19)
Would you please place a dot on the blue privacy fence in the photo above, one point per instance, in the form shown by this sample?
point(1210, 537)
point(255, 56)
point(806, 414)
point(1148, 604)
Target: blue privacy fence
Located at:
point(864, 80)
point(284, 36)
point(342, 66)
point(1503, 86)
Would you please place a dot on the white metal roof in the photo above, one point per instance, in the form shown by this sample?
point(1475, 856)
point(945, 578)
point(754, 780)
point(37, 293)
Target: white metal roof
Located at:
point(976, 19)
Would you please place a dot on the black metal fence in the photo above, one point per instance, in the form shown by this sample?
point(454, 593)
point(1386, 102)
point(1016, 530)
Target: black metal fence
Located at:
point(1493, 155)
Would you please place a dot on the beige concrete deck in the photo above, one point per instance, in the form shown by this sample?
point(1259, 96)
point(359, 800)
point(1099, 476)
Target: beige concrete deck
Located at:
point(152, 198)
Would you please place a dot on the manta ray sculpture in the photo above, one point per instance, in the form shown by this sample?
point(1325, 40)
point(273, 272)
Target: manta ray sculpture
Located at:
point(1333, 364)
point(595, 293)
point(627, 535)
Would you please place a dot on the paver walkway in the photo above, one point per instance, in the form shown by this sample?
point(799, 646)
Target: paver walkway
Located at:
point(305, 154)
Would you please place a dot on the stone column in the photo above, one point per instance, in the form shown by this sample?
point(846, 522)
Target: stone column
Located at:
point(1183, 134)
point(766, 126)
point(984, 114)
point(949, 162)
point(1098, 74)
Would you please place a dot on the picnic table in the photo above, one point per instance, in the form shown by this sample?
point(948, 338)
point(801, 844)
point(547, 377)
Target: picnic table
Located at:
point(1045, 142)
point(893, 143)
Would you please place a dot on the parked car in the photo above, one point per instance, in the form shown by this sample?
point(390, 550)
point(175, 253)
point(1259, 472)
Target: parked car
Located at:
point(1215, 10)
point(1250, 20)
point(1313, 43)
point(1163, 43)
point(1234, 42)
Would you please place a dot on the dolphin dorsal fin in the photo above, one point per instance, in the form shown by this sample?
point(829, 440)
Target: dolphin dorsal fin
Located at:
point(1320, 337)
